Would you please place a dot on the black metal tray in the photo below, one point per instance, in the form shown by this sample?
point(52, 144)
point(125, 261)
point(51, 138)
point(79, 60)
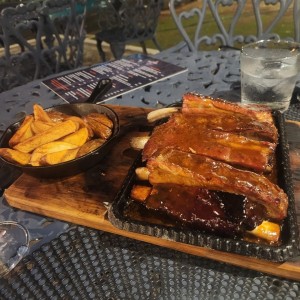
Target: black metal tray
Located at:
point(288, 248)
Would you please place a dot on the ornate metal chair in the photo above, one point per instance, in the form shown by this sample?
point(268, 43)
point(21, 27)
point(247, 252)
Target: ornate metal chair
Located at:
point(125, 21)
point(229, 34)
point(39, 39)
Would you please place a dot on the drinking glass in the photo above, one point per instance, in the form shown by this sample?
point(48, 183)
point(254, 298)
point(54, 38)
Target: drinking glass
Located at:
point(269, 71)
point(14, 244)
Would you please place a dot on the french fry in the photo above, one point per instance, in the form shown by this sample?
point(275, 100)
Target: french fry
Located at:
point(51, 147)
point(57, 116)
point(59, 157)
point(54, 133)
point(50, 137)
point(81, 124)
point(77, 138)
point(99, 129)
point(15, 156)
point(39, 126)
point(24, 132)
point(40, 114)
point(90, 146)
point(77, 119)
point(101, 118)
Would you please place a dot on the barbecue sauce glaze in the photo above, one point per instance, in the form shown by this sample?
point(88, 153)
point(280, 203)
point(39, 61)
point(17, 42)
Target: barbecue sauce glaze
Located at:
point(224, 214)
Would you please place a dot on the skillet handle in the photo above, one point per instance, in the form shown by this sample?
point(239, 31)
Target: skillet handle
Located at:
point(102, 87)
point(8, 175)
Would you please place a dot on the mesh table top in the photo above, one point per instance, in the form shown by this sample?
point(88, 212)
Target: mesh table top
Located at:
point(89, 264)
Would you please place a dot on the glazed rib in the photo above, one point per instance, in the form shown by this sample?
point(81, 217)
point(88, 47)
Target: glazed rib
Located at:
point(237, 118)
point(183, 134)
point(203, 210)
point(214, 212)
point(233, 123)
point(177, 167)
point(193, 103)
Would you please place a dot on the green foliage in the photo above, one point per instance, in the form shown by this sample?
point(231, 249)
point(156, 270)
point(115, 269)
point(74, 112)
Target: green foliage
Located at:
point(12, 2)
point(168, 35)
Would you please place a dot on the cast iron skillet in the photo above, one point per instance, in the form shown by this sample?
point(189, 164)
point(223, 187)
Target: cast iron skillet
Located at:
point(74, 166)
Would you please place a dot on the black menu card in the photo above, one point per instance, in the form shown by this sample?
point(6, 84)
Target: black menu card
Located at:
point(127, 74)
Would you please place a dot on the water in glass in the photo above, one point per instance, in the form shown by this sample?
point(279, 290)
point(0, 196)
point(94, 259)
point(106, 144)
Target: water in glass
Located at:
point(268, 77)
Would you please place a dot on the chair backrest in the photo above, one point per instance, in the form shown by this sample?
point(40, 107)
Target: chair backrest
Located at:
point(237, 22)
point(137, 19)
point(39, 39)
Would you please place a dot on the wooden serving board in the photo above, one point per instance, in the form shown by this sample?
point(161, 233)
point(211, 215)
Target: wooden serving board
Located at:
point(82, 199)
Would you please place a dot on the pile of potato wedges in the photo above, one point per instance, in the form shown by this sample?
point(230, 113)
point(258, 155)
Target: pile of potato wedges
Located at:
point(51, 137)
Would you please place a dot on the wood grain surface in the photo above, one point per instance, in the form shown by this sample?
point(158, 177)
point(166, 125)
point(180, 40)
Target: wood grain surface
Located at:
point(82, 199)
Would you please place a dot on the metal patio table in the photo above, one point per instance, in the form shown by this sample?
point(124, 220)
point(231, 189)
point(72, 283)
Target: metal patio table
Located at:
point(67, 261)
